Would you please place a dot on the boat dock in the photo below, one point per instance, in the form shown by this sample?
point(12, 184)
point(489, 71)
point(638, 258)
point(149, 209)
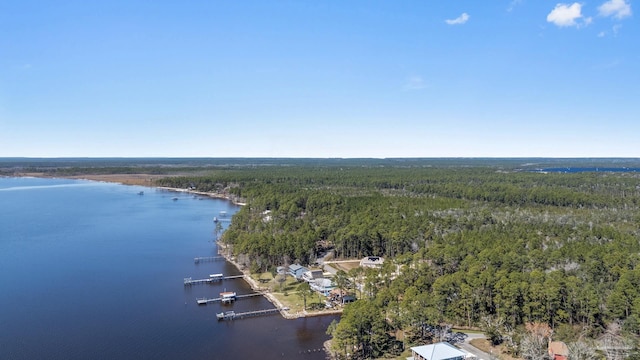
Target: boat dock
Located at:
point(189, 281)
point(230, 315)
point(205, 301)
point(198, 260)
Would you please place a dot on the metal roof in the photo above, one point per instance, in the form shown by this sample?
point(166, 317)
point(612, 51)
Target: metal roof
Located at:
point(439, 351)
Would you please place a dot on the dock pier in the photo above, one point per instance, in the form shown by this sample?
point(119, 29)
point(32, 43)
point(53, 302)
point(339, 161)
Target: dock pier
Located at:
point(205, 301)
point(207, 259)
point(230, 315)
point(212, 278)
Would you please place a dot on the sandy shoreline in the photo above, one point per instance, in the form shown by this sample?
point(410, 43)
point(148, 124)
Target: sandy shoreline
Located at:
point(265, 292)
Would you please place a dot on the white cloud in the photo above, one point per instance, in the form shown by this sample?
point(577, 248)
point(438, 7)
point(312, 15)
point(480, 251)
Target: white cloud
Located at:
point(616, 28)
point(565, 15)
point(415, 83)
point(459, 20)
point(513, 4)
point(617, 8)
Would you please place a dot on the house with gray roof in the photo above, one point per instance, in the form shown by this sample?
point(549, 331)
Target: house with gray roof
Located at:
point(297, 270)
point(437, 351)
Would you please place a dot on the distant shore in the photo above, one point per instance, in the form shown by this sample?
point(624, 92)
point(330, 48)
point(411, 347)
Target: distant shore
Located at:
point(148, 180)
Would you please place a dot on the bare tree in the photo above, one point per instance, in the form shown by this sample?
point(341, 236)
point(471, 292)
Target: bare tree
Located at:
point(580, 350)
point(613, 345)
point(534, 344)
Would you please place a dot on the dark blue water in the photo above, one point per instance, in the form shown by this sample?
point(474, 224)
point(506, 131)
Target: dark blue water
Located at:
point(92, 270)
point(588, 169)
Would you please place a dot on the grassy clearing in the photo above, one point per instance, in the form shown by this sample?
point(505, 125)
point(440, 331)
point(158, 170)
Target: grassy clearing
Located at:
point(485, 345)
point(287, 292)
point(346, 266)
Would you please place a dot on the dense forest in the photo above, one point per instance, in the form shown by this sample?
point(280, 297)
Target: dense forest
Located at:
point(500, 245)
point(492, 247)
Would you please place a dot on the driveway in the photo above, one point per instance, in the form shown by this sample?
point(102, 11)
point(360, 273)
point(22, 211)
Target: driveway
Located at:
point(466, 346)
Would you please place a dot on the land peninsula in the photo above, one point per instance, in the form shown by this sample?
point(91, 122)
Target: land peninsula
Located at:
point(530, 251)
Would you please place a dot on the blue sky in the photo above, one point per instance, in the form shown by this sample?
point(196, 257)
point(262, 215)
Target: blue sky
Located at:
point(464, 78)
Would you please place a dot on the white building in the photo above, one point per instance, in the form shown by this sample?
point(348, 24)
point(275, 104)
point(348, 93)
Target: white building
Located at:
point(323, 286)
point(372, 262)
point(437, 351)
point(311, 275)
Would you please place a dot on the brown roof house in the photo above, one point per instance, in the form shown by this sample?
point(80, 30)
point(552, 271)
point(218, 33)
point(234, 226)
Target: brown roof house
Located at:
point(558, 350)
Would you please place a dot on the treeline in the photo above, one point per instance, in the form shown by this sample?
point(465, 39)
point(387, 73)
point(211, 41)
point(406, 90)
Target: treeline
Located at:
point(465, 244)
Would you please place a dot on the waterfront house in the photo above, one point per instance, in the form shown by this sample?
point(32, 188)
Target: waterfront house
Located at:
point(372, 262)
point(311, 275)
point(297, 270)
point(323, 286)
point(437, 351)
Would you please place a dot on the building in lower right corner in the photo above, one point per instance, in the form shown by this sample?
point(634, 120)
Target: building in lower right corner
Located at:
point(437, 351)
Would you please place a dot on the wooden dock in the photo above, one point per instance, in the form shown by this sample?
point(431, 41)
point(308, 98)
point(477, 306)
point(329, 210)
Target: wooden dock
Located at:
point(189, 281)
point(230, 315)
point(207, 259)
point(205, 301)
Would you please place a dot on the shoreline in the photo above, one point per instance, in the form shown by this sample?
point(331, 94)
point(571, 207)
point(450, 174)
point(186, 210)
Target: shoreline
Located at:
point(148, 181)
point(272, 299)
point(203, 193)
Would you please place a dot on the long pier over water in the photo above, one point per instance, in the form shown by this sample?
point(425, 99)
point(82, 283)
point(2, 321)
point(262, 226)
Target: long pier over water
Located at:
point(189, 281)
point(205, 301)
point(230, 315)
point(207, 259)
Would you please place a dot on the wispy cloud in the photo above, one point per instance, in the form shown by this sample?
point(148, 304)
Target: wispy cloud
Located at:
point(608, 65)
point(565, 15)
point(459, 20)
point(513, 4)
point(414, 83)
point(614, 30)
point(616, 8)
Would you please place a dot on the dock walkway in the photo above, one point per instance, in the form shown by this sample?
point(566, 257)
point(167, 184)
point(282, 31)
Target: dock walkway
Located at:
point(189, 281)
point(205, 301)
point(233, 315)
point(207, 259)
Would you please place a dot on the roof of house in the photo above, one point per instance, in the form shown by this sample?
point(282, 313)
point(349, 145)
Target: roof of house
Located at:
point(295, 267)
point(558, 348)
point(372, 260)
point(439, 351)
point(323, 282)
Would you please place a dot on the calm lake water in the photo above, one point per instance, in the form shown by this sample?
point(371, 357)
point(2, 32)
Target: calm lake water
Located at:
point(93, 270)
